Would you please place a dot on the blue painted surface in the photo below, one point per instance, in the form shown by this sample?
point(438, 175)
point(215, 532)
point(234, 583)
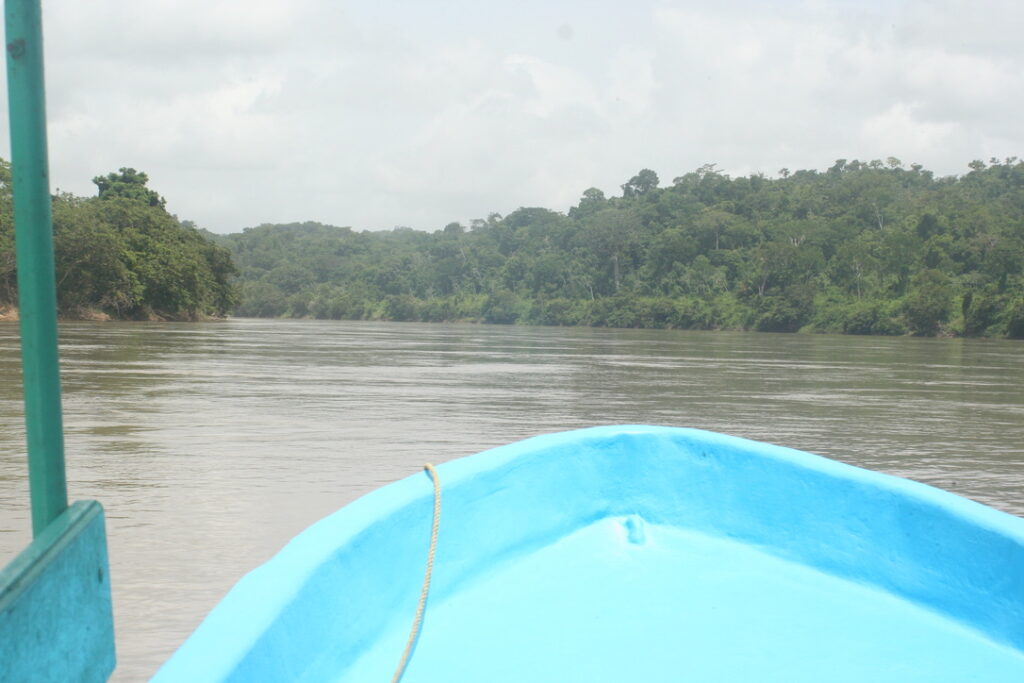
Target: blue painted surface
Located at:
point(56, 620)
point(636, 553)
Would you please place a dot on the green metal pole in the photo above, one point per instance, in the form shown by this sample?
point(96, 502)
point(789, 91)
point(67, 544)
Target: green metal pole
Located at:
point(33, 234)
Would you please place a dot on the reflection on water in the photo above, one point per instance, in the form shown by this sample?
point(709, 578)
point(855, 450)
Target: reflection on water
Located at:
point(211, 445)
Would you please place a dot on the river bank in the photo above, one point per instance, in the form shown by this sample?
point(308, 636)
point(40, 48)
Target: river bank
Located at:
point(10, 314)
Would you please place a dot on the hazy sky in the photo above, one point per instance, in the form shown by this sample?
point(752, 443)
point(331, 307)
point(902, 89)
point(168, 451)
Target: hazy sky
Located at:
point(383, 113)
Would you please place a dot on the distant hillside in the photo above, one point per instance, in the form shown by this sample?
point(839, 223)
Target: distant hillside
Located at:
point(862, 248)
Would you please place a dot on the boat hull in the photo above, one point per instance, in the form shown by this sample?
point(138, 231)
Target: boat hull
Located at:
point(636, 553)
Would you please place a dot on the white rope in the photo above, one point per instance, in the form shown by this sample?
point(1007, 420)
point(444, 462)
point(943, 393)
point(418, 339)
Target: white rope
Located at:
point(418, 621)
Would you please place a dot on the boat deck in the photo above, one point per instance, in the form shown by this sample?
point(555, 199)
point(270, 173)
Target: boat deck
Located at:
point(623, 600)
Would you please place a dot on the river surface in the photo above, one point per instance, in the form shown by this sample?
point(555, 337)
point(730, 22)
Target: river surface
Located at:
point(212, 444)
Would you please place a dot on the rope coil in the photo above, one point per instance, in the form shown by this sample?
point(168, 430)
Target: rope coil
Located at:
point(418, 621)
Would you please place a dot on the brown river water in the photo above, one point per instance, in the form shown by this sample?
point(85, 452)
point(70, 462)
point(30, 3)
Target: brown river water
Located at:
point(212, 444)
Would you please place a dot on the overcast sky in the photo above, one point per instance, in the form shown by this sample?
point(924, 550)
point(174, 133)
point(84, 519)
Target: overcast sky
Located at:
point(384, 113)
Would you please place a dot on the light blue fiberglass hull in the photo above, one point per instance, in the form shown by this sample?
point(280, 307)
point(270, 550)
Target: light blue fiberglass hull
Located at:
point(635, 554)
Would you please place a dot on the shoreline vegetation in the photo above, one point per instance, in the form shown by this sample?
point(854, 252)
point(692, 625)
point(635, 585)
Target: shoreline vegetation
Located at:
point(872, 248)
point(121, 256)
point(875, 248)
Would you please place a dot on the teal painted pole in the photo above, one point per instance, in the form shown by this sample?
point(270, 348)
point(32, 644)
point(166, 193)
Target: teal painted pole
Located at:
point(33, 234)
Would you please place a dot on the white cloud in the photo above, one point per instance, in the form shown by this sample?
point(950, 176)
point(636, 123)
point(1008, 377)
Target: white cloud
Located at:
point(897, 127)
point(374, 115)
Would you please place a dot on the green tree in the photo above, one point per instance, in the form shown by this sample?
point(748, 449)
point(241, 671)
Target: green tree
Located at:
point(89, 259)
point(613, 234)
point(129, 184)
point(929, 303)
point(640, 184)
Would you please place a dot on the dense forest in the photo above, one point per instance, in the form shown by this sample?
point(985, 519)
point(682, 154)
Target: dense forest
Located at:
point(122, 255)
point(861, 248)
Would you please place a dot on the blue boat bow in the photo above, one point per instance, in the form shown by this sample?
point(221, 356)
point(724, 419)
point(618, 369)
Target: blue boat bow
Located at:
point(635, 553)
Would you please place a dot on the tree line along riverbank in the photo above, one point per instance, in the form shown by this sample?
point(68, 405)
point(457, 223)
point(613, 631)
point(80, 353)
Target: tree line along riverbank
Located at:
point(859, 248)
point(121, 255)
